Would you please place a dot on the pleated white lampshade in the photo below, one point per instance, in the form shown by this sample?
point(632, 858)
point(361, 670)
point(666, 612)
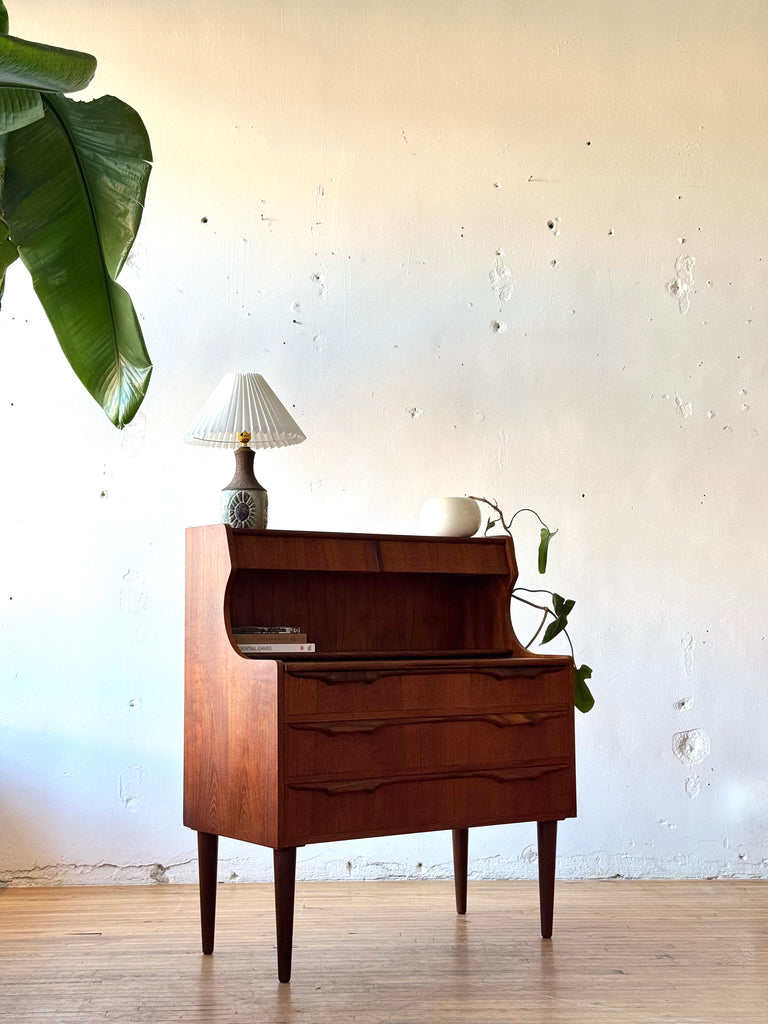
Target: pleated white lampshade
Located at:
point(244, 401)
point(244, 413)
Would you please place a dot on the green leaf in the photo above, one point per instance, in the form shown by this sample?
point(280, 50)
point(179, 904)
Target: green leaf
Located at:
point(582, 697)
point(8, 253)
point(561, 606)
point(48, 68)
point(19, 107)
point(489, 525)
point(73, 198)
point(546, 537)
point(3, 19)
point(562, 610)
point(553, 629)
point(111, 144)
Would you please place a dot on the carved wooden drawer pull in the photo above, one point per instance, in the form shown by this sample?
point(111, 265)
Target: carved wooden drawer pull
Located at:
point(368, 676)
point(371, 785)
point(373, 725)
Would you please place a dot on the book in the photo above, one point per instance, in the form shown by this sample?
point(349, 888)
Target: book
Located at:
point(260, 648)
point(269, 638)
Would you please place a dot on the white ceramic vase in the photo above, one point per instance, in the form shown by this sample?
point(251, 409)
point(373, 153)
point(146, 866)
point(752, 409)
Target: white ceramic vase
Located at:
point(450, 517)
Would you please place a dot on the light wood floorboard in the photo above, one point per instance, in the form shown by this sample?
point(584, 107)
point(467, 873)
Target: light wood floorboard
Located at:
point(390, 953)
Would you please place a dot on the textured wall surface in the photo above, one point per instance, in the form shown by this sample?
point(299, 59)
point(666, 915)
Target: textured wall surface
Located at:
point(490, 248)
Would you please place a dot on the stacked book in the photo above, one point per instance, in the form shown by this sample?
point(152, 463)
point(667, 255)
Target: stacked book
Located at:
point(271, 640)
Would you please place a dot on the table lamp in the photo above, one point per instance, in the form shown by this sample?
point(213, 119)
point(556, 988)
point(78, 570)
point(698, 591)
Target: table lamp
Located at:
point(244, 413)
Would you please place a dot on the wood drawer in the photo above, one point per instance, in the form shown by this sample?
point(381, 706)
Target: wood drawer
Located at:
point(368, 747)
point(445, 556)
point(319, 690)
point(326, 810)
point(302, 552)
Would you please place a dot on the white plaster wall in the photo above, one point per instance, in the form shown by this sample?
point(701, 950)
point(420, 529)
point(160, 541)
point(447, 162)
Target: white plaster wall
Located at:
point(347, 195)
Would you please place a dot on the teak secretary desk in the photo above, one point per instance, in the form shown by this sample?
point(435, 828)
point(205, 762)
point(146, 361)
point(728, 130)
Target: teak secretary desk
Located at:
point(419, 710)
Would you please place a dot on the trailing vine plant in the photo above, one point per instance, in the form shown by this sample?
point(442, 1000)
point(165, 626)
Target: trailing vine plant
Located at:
point(558, 609)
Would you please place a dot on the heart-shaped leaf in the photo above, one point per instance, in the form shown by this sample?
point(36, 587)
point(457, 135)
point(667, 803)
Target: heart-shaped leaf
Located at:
point(582, 697)
point(561, 606)
point(562, 610)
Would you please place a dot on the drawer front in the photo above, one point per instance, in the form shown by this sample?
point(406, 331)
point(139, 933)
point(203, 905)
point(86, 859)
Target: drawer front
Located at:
point(487, 556)
point(274, 550)
point(370, 747)
point(318, 811)
point(360, 692)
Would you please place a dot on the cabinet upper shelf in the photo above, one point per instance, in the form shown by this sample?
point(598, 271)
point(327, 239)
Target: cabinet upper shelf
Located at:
point(359, 594)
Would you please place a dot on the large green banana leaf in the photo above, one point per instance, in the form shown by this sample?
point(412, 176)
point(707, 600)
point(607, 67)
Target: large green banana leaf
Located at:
point(26, 69)
point(75, 183)
point(73, 179)
point(49, 68)
point(8, 251)
point(19, 107)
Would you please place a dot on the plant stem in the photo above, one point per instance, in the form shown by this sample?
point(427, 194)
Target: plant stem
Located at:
point(541, 626)
point(508, 526)
point(528, 590)
point(542, 608)
point(565, 633)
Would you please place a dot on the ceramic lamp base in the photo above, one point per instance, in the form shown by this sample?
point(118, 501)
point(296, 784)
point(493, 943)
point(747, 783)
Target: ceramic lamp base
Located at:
point(244, 508)
point(244, 500)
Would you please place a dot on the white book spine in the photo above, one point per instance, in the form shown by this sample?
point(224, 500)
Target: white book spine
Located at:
point(276, 648)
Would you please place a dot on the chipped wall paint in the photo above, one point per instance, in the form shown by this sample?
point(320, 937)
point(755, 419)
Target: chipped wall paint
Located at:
point(681, 286)
point(691, 746)
point(475, 251)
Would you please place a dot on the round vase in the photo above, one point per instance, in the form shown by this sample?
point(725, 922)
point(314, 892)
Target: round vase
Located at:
point(450, 517)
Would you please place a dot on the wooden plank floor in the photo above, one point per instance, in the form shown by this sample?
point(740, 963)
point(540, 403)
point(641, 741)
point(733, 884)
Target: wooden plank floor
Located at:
point(390, 953)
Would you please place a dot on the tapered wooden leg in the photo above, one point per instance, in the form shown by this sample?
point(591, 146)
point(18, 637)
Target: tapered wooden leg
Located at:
point(207, 858)
point(547, 837)
point(460, 849)
point(285, 885)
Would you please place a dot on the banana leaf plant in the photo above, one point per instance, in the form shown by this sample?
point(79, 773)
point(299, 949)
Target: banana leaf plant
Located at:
point(73, 180)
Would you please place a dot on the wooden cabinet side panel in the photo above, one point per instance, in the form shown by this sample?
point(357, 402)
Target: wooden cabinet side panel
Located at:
point(231, 710)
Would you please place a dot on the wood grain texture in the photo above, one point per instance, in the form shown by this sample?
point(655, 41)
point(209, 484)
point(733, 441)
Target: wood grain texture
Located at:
point(388, 745)
point(443, 555)
point(328, 810)
point(231, 709)
point(460, 867)
point(207, 864)
point(444, 686)
point(381, 731)
point(377, 611)
point(389, 953)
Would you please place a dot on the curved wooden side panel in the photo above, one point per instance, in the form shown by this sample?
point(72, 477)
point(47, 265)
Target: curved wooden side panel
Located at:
point(231, 709)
